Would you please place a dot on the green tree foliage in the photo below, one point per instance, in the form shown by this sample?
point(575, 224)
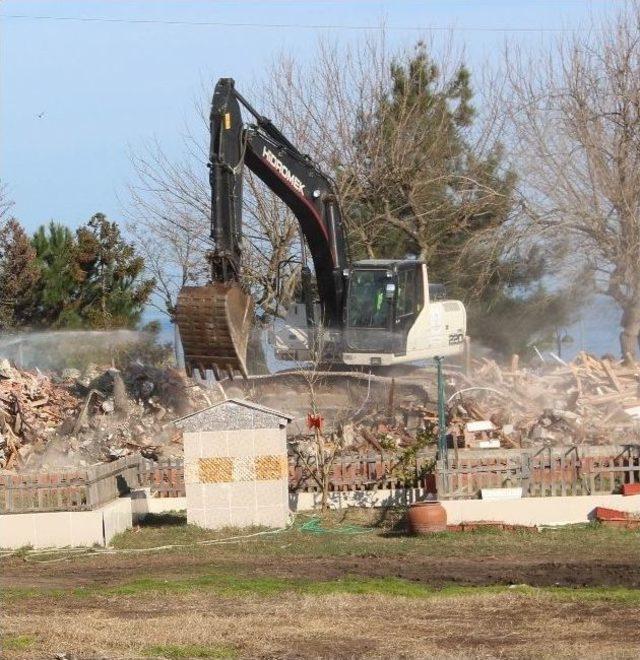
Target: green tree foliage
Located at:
point(434, 184)
point(61, 277)
point(90, 279)
point(113, 294)
point(19, 273)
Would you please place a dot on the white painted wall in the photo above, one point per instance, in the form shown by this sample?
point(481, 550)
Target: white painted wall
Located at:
point(60, 529)
point(526, 511)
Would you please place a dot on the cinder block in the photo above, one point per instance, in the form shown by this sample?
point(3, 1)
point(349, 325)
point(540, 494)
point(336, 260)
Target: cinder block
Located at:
point(217, 517)
point(192, 445)
point(195, 495)
point(215, 470)
point(216, 495)
point(191, 470)
point(244, 468)
point(272, 516)
point(196, 517)
point(271, 441)
point(243, 494)
point(241, 443)
point(243, 516)
point(271, 494)
point(214, 443)
point(270, 467)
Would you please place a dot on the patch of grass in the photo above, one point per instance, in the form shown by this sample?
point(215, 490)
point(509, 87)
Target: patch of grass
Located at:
point(23, 551)
point(229, 585)
point(17, 642)
point(621, 595)
point(189, 651)
point(220, 583)
point(172, 529)
point(383, 538)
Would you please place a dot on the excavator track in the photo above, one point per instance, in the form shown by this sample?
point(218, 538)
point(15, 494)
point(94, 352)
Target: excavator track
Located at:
point(215, 324)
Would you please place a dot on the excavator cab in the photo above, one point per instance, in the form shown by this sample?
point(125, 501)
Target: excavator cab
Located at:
point(390, 318)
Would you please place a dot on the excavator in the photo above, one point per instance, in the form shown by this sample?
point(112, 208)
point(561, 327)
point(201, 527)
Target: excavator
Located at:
point(376, 312)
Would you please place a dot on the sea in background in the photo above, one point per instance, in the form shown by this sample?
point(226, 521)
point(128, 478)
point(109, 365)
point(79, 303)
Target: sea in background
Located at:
point(597, 331)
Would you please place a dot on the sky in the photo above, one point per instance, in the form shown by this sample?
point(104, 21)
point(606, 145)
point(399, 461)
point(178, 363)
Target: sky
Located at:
point(77, 97)
point(85, 84)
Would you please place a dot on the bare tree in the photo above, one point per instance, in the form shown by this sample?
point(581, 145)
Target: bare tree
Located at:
point(169, 221)
point(403, 179)
point(5, 201)
point(576, 117)
point(318, 456)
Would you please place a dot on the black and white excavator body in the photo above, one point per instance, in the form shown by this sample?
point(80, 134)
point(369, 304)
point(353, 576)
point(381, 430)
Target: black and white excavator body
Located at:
point(374, 312)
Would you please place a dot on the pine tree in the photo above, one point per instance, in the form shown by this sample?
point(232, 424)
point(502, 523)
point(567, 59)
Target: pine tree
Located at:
point(19, 274)
point(430, 188)
point(62, 278)
point(112, 295)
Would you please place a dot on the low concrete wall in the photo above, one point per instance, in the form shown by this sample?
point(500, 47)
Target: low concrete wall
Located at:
point(537, 510)
point(142, 503)
point(62, 529)
point(382, 497)
point(525, 511)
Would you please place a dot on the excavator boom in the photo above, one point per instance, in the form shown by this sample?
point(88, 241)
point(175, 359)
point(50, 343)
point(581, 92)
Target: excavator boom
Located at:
point(215, 320)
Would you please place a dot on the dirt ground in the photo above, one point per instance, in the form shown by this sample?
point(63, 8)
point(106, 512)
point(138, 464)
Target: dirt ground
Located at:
point(427, 571)
point(344, 590)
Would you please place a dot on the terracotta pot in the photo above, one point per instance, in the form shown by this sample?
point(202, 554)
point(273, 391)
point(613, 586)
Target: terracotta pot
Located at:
point(427, 517)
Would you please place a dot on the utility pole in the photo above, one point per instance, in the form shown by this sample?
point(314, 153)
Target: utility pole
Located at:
point(443, 454)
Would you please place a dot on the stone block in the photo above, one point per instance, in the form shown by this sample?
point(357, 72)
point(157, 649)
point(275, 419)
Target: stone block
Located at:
point(216, 495)
point(214, 443)
point(241, 443)
point(271, 494)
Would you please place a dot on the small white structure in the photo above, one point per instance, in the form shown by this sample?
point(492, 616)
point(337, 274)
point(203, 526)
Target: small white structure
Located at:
point(235, 465)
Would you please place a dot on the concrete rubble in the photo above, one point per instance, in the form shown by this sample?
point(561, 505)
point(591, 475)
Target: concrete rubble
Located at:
point(585, 401)
point(73, 418)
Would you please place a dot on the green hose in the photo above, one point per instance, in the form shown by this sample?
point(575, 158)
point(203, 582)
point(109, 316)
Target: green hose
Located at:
point(314, 526)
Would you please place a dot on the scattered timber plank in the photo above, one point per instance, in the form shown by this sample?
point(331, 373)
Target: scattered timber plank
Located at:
point(606, 365)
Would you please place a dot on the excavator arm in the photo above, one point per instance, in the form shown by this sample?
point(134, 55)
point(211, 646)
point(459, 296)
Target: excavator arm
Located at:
point(215, 320)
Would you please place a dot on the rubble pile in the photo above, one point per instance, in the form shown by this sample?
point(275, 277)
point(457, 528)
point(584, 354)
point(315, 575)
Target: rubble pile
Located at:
point(32, 406)
point(586, 401)
point(73, 419)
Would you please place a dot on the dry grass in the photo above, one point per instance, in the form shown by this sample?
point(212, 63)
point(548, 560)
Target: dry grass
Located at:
point(330, 593)
point(507, 624)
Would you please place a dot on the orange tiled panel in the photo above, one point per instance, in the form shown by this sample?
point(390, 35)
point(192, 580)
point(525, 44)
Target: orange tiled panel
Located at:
point(215, 470)
point(271, 467)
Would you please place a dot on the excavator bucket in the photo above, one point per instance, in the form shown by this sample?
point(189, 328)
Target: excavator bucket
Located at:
point(215, 323)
